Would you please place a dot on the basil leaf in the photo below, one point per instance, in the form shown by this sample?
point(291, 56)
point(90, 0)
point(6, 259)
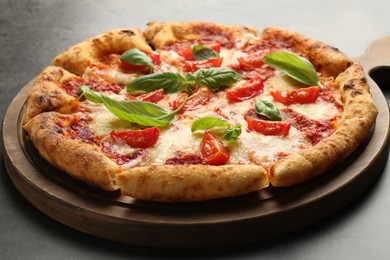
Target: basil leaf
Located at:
point(296, 67)
point(219, 126)
point(214, 78)
point(137, 57)
point(171, 82)
point(267, 109)
point(93, 96)
point(143, 113)
point(134, 111)
point(200, 52)
point(232, 133)
point(209, 122)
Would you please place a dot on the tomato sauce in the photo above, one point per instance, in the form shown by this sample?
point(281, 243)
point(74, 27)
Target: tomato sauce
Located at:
point(73, 85)
point(314, 130)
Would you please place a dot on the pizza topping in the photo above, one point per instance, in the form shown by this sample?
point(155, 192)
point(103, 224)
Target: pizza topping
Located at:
point(212, 150)
point(136, 60)
point(266, 127)
point(253, 61)
point(267, 109)
point(297, 96)
point(191, 66)
point(184, 158)
point(246, 90)
point(138, 138)
point(153, 96)
point(314, 130)
point(134, 111)
point(201, 52)
point(218, 126)
point(261, 124)
point(200, 98)
point(173, 82)
point(295, 66)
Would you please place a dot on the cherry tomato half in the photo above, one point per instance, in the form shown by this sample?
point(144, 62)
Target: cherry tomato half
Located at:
point(191, 66)
point(297, 96)
point(266, 127)
point(212, 150)
point(247, 90)
point(138, 138)
point(153, 96)
point(252, 61)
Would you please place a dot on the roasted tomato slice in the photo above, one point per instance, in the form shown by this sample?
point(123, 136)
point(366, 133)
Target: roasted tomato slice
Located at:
point(155, 57)
point(191, 66)
point(156, 60)
point(297, 96)
point(252, 61)
point(247, 90)
point(266, 127)
point(212, 150)
point(138, 138)
point(200, 98)
point(187, 52)
point(153, 96)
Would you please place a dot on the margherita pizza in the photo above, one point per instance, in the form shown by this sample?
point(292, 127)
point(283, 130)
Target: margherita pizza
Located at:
point(191, 111)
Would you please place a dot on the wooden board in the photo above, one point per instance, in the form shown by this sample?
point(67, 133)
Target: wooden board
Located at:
point(257, 216)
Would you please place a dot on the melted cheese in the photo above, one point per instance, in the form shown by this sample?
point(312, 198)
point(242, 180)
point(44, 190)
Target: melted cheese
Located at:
point(251, 147)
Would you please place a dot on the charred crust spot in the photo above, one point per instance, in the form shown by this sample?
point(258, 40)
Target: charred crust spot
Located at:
point(41, 99)
point(363, 80)
point(128, 32)
point(348, 86)
point(335, 49)
point(96, 41)
point(356, 93)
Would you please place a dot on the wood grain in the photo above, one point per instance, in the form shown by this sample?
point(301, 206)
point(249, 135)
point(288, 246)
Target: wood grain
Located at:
point(257, 216)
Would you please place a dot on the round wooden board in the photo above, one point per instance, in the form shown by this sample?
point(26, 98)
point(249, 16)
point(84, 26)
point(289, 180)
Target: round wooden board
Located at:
point(257, 216)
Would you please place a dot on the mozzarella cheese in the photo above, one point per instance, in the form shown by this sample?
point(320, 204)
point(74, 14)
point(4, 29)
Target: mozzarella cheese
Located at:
point(250, 148)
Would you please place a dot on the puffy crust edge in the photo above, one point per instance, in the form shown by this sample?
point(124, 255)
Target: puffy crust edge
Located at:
point(357, 120)
point(160, 34)
point(78, 57)
point(327, 59)
point(82, 161)
point(191, 182)
point(47, 95)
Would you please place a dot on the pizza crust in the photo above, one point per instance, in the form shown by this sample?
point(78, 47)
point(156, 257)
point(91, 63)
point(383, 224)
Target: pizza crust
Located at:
point(328, 60)
point(78, 57)
point(162, 34)
point(83, 161)
point(47, 94)
point(191, 182)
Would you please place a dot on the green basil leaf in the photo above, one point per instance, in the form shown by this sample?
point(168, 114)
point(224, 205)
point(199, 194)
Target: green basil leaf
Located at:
point(208, 123)
point(219, 126)
point(267, 109)
point(200, 52)
point(214, 78)
point(295, 66)
point(137, 57)
point(171, 82)
point(86, 92)
point(232, 133)
point(134, 111)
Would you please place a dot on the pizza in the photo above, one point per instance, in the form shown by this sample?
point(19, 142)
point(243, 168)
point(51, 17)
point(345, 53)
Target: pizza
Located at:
point(193, 111)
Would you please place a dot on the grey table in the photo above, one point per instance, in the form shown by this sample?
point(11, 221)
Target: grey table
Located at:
point(33, 32)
